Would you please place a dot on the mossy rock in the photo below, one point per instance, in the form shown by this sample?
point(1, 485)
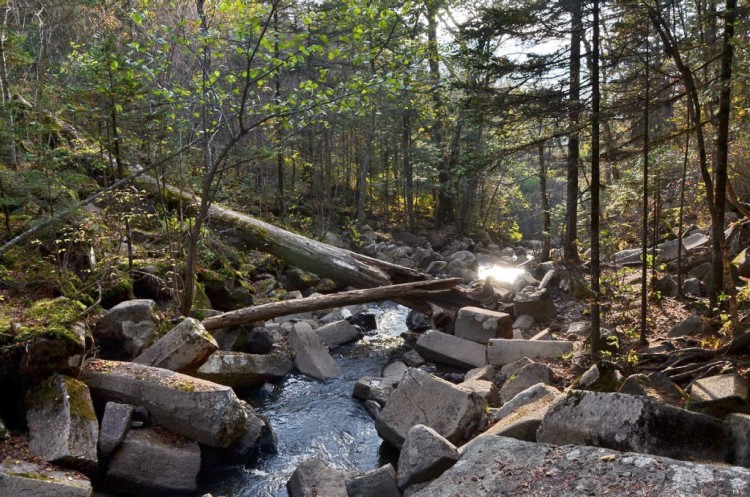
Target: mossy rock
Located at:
point(53, 338)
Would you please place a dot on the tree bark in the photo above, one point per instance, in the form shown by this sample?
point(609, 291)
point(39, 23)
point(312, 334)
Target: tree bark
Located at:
point(417, 290)
point(595, 182)
point(570, 245)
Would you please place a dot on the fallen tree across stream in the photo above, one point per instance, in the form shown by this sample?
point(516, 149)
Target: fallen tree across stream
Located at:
point(344, 267)
point(416, 290)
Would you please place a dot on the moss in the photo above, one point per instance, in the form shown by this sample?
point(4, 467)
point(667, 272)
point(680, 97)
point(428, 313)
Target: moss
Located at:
point(33, 476)
point(52, 318)
point(80, 400)
point(200, 299)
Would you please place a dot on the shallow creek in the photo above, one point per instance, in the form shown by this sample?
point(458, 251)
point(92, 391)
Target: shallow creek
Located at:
point(315, 419)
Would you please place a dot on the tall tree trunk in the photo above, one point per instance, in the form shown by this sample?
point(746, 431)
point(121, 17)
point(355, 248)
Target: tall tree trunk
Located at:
point(9, 146)
point(364, 170)
point(546, 213)
point(444, 197)
point(570, 241)
point(644, 229)
point(595, 118)
point(720, 255)
point(408, 170)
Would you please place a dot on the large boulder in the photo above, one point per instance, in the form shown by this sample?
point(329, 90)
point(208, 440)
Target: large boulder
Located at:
point(501, 351)
point(536, 302)
point(313, 477)
point(27, 479)
point(658, 386)
point(53, 340)
point(152, 460)
point(634, 423)
point(127, 329)
point(448, 349)
point(425, 456)
point(480, 325)
point(237, 369)
point(337, 333)
point(204, 411)
point(421, 398)
point(379, 482)
point(492, 466)
point(62, 423)
point(310, 355)
point(720, 395)
point(525, 377)
point(521, 416)
point(185, 347)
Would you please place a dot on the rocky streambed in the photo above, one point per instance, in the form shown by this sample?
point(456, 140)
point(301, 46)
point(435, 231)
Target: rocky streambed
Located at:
point(301, 405)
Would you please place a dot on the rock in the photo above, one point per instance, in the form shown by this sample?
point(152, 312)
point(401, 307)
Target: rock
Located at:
point(258, 341)
point(185, 347)
point(337, 333)
point(237, 369)
point(667, 286)
point(628, 256)
point(690, 326)
point(548, 278)
point(412, 359)
point(480, 325)
point(701, 270)
point(535, 302)
point(52, 340)
point(523, 322)
point(493, 466)
point(501, 351)
point(655, 385)
point(115, 425)
point(720, 395)
point(394, 371)
point(521, 416)
point(485, 388)
point(514, 367)
point(692, 286)
point(462, 259)
point(257, 436)
point(484, 373)
point(545, 334)
point(695, 240)
point(436, 267)
point(377, 389)
point(27, 479)
point(601, 377)
point(425, 455)
point(373, 408)
point(310, 355)
point(299, 279)
point(739, 427)
point(421, 398)
point(314, 478)
point(379, 482)
point(417, 321)
point(201, 410)
point(524, 378)
point(580, 329)
point(62, 423)
point(669, 250)
point(633, 423)
point(448, 349)
point(364, 320)
point(742, 261)
point(4, 432)
point(127, 329)
point(153, 460)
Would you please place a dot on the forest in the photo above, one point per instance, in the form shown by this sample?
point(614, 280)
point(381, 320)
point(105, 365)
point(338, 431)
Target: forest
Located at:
point(156, 149)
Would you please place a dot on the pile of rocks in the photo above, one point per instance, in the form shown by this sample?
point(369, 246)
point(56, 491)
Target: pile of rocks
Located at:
point(509, 424)
point(155, 407)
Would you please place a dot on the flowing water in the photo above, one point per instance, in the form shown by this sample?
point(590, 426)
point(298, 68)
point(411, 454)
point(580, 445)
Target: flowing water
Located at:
point(315, 419)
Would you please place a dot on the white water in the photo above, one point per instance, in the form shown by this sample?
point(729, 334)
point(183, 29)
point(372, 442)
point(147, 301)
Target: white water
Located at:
point(501, 273)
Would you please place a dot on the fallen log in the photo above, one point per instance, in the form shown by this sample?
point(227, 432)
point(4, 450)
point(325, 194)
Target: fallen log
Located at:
point(343, 266)
point(416, 290)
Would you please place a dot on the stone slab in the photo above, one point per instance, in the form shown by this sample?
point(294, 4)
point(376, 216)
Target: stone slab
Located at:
point(27, 479)
point(441, 347)
point(238, 369)
point(204, 411)
point(480, 325)
point(183, 348)
point(314, 478)
point(310, 355)
point(501, 351)
point(493, 466)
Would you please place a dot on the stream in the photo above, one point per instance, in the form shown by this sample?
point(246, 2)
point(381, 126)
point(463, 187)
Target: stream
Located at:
point(316, 419)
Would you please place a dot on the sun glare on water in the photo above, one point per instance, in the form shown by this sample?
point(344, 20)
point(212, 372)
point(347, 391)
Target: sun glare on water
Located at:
point(501, 273)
